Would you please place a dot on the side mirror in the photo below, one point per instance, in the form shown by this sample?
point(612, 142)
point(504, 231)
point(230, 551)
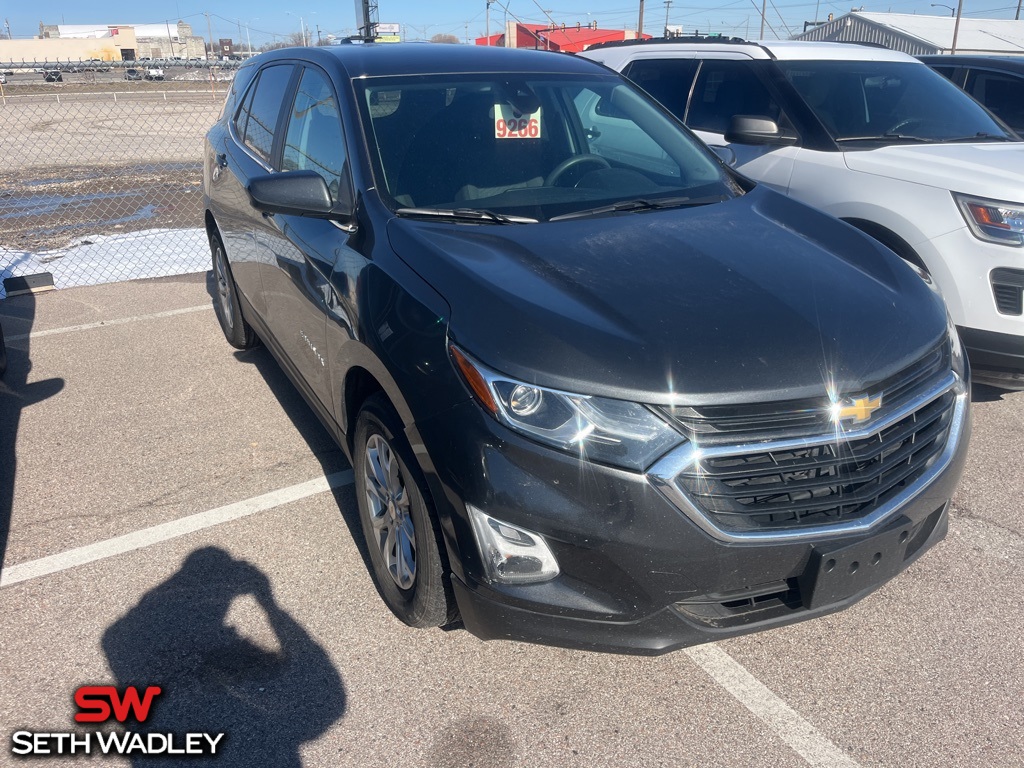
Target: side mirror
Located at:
point(756, 129)
point(296, 193)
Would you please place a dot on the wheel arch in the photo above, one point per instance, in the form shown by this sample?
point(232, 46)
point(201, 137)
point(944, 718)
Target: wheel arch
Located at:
point(889, 239)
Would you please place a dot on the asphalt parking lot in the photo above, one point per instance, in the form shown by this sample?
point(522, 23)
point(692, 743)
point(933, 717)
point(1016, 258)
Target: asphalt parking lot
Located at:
point(171, 513)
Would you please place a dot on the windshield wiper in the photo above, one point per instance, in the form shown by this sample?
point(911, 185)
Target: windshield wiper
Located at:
point(890, 137)
point(979, 137)
point(466, 214)
point(641, 204)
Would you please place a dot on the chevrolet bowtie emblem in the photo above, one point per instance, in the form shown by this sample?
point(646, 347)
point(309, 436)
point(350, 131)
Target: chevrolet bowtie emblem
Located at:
point(857, 409)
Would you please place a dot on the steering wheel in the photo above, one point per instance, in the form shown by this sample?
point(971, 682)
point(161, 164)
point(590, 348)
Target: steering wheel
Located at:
point(903, 124)
point(572, 162)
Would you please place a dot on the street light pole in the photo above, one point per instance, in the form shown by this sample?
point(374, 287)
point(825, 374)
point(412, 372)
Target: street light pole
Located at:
point(952, 10)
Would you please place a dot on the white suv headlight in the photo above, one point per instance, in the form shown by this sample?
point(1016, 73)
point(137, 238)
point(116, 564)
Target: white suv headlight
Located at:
point(994, 221)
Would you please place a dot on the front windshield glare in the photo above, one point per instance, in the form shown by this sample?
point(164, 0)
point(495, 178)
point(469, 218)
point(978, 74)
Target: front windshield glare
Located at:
point(535, 146)
point(889, 101)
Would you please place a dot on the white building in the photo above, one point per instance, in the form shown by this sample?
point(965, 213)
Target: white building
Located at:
point(919, 35)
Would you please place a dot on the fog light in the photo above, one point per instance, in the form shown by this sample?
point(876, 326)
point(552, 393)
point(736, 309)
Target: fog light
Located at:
point(510, 554)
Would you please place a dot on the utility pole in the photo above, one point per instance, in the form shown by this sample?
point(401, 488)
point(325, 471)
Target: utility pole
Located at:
point(319, 39)
point(640, 22)
point(489, 21)
point(1015, 18)
point(668, 4)
point(170, 45)
point(956, 27)
point(209, 29)
point(764, 8)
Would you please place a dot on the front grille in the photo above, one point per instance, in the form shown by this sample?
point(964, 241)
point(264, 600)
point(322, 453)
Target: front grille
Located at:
point(725, 424)
point(1008, 289)
point(823, 484)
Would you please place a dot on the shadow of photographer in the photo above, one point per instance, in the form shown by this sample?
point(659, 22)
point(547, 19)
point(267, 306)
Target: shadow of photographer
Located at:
point(17, 393)
point(268, 697)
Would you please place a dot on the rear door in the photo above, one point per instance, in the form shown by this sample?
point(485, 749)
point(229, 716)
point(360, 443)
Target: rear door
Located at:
point(241, 150)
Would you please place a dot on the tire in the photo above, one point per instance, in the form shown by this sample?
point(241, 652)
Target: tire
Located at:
point(227, 301)
point(394, 510)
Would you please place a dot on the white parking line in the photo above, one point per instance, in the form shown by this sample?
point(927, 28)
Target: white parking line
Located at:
point(799, 734)
point(105, 323)
point(136, 540)
point(793, 729)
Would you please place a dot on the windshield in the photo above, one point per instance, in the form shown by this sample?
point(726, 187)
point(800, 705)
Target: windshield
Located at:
point(530, 147)
point(890, 101)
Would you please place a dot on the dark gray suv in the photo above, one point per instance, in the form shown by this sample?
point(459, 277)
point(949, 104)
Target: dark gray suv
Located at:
point(598, 390)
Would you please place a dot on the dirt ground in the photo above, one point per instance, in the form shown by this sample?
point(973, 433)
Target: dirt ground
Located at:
point(100, 163)
point(53, 207)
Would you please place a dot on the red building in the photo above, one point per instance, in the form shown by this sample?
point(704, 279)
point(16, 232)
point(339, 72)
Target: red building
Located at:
point(567, 38)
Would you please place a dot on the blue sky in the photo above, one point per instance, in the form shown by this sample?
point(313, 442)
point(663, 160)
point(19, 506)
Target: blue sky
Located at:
point(265, 19)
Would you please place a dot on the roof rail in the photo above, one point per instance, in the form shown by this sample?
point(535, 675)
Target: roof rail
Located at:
point(662, 40)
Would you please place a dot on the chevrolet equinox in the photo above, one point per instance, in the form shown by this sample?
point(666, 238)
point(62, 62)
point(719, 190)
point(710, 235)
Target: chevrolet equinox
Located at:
point(598, 389)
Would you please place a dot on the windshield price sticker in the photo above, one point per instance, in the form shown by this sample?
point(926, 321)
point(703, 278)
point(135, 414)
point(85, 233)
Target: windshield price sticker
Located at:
point(509, 124)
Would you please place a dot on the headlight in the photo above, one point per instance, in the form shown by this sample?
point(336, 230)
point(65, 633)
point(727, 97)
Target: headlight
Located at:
point(992, 220)
point(600, 429)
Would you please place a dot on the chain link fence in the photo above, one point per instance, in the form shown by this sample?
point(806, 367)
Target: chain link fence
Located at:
point(100, 176)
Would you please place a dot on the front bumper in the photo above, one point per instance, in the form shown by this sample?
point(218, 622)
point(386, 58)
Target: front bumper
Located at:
point(996, 358)
point(637, 575)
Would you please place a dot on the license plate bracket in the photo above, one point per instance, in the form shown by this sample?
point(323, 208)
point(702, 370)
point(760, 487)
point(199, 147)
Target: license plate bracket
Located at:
point(838, 572)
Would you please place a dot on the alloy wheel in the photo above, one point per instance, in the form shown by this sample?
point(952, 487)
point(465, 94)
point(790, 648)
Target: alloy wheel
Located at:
point(390, 511)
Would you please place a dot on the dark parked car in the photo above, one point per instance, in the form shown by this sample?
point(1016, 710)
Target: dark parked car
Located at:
point(609, 394)
point(995, 81)
point(53, 76)
point(133, 74)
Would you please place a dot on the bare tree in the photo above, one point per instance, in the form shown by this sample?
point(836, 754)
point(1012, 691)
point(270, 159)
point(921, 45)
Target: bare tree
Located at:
point(444, 38)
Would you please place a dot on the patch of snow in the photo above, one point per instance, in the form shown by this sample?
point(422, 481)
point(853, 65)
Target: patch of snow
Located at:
point(113, 258)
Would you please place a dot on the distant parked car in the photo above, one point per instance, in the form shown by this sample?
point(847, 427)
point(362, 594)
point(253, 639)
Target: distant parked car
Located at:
point(996, 81)
point(3, 79)
point(154, 73)
point(53, 76)
point(133, 74)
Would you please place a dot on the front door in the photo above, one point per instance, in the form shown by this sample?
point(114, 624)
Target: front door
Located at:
point(299, 253)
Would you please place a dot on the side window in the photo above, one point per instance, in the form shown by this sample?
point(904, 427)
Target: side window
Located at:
point(667, 80)
point(727, 88)
point(1001, 94)
point(264, 107)
point(314, 139)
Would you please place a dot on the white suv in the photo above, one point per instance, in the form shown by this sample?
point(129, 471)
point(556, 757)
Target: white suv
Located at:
point(875, 138)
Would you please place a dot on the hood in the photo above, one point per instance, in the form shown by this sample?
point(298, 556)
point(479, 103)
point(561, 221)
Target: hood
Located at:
point(994, 170)
point(760, 297)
